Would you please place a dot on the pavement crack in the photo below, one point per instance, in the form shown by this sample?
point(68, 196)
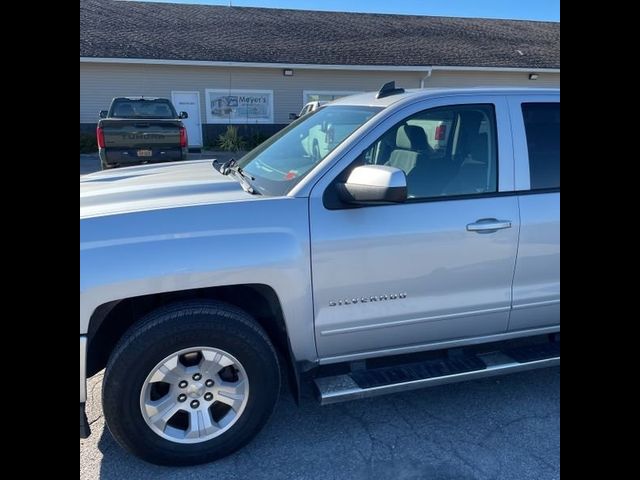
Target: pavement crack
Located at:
point(504, 426)
point(95, 420)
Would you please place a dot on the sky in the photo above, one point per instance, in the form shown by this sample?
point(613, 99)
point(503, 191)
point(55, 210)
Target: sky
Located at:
point(547, 10)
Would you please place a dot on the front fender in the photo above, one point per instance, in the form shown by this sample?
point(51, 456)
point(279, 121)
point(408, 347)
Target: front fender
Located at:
point(259, 241)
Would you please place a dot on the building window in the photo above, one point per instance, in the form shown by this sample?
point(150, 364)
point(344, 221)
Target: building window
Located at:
point(323, 96)
point(239, 106)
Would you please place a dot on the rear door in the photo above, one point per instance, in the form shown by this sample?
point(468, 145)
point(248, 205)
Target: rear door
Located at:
point(536, 286)
point(396, 277)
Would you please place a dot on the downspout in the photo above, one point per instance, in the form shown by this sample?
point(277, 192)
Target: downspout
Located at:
point(425, 77)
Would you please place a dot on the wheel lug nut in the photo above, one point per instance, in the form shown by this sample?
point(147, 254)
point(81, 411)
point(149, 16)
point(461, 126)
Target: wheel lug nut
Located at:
point(195, 404)
point(209, 383)
point(182, 397)
point(183, 384)
point(208, 396)
point(197, 376)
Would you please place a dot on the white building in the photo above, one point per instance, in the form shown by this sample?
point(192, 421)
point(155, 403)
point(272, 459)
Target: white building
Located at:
point(255, 66)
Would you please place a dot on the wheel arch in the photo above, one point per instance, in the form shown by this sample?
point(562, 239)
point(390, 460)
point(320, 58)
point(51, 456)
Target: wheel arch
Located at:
point(111, 320)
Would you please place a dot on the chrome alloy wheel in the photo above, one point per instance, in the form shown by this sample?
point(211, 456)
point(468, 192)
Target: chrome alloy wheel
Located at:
point(194, 395)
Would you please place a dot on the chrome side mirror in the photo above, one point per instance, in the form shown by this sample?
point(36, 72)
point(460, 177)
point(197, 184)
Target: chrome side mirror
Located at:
point(369, 184)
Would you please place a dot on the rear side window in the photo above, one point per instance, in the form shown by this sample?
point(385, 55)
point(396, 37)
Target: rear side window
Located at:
point(542, 125)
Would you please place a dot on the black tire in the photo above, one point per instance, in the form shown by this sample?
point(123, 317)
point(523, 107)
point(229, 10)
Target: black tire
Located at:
point(171, 329)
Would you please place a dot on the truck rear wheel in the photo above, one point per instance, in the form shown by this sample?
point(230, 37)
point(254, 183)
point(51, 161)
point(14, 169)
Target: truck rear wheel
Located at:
point(191, 383)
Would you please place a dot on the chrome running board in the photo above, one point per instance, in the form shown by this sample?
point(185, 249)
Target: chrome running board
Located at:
point(380, 381)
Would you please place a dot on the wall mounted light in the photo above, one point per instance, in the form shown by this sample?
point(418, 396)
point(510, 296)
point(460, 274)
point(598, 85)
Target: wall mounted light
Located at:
point(533, 76)
point(287, 72)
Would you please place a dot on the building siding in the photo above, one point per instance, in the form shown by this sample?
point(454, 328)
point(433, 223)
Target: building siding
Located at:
point(444, 78)
point(99, 83)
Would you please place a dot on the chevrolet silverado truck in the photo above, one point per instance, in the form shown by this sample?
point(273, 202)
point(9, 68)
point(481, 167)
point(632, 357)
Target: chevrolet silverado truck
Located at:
point(138, 130)
point(383, 265)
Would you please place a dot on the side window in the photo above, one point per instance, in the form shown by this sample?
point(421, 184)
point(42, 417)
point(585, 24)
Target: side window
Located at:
point(445, 151)
point(542, 125)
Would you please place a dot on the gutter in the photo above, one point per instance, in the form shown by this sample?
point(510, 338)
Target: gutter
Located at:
point(423, 79)
point(309, 66)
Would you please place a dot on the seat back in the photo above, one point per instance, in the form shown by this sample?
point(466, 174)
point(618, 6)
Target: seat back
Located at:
point(411, 144)
point(472, 157)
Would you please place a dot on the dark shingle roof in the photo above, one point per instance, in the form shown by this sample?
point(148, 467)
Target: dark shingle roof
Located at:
point(118, 29)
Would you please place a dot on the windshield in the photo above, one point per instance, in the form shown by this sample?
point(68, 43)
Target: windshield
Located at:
point(283, 160)
point(142, 108)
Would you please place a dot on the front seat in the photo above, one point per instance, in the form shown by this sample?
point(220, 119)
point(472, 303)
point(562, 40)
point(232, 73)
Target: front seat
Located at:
point(413, 154)
point(473, 158)
point(411, 146)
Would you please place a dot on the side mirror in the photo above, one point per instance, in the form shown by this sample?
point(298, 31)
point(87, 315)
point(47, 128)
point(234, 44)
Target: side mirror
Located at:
point(183, 115)
point(103, 113)
point(369, 184)
point(294, 116)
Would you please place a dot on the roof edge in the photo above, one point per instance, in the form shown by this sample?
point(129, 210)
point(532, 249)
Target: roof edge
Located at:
point(312, 66)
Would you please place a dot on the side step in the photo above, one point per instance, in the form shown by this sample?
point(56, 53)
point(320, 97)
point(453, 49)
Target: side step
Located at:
point(411, 376)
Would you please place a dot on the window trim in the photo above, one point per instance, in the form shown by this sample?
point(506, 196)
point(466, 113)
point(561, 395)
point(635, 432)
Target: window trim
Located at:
point(314, 185)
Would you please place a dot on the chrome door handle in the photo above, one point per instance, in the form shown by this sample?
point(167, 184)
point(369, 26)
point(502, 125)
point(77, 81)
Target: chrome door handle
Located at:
point(488, 225)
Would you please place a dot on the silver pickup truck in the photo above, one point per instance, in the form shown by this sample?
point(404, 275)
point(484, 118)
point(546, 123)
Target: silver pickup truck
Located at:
point(422, 248)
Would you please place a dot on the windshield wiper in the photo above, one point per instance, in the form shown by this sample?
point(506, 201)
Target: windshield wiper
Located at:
point(231, 167)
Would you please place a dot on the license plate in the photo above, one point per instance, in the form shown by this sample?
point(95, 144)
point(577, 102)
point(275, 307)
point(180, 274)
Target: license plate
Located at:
point(144, 153)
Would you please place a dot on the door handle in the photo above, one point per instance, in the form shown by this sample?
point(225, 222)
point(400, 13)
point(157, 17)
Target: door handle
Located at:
point(488, 225)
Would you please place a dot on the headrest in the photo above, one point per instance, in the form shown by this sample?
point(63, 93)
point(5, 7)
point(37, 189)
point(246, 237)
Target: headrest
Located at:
point(471, 120)
point(411, 137)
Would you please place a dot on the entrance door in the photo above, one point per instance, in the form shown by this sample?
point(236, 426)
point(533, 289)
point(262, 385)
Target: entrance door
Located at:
point(190, 102)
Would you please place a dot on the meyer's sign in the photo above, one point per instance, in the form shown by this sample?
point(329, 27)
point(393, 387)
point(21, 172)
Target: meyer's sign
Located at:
point(239, 106)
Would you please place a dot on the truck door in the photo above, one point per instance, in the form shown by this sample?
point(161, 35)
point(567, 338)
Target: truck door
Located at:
point(536, 284)
point(438, 267)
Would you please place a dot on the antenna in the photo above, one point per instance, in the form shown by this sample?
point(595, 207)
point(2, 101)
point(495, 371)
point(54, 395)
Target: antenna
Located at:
point(389, 89)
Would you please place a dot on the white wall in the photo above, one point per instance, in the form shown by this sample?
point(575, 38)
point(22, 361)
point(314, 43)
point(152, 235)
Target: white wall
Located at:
point(99, 83)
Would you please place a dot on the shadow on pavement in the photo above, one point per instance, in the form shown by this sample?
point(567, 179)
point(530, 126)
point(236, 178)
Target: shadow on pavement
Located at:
point(500, 428)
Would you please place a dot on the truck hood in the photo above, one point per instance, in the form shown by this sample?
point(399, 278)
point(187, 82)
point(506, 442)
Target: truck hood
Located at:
point(155, 186)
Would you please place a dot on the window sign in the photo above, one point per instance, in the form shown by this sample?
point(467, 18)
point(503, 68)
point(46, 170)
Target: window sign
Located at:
point(239, 106)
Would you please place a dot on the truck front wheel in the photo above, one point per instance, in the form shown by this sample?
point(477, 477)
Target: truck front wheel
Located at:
point(191, 383)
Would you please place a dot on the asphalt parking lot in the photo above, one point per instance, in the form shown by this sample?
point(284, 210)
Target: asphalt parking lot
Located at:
point(502, 428)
